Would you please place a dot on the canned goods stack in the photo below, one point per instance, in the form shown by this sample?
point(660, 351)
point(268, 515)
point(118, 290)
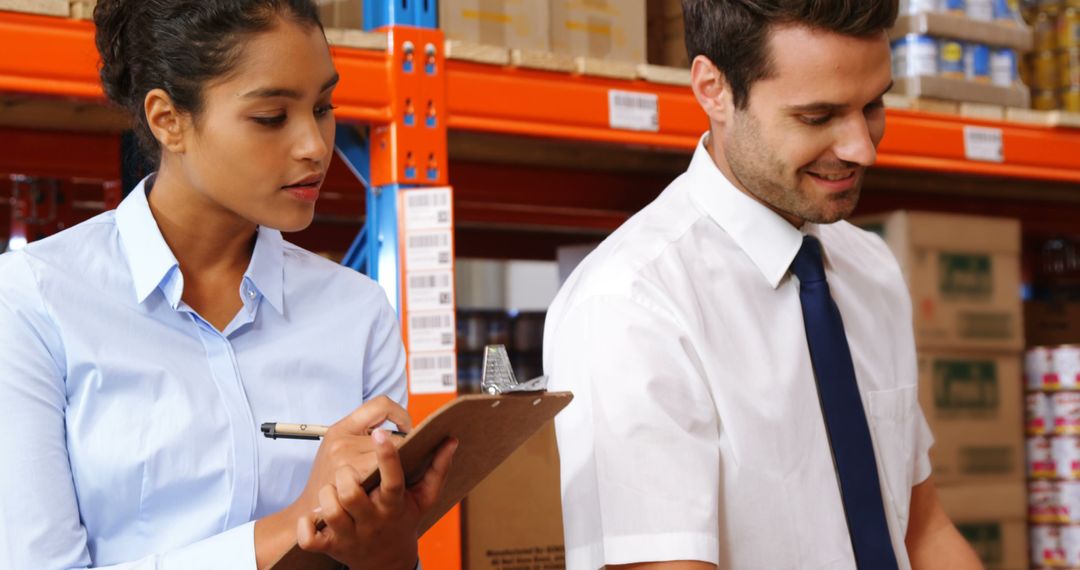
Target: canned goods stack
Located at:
point(521, 333)
point(1052, 382)
point(975, 41)
point(916, 55)
point(1053, 67)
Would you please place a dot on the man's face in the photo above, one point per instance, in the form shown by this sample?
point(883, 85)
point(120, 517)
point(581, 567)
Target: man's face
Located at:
point(809, 131)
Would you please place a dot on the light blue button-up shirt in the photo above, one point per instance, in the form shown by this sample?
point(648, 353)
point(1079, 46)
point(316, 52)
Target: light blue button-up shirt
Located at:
point(131, 426)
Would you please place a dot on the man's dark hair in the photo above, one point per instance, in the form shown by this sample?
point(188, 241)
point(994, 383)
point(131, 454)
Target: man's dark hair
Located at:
point(178, 46)
point(734, 34)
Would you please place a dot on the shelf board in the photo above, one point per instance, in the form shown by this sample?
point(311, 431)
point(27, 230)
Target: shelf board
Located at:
point(54, 57)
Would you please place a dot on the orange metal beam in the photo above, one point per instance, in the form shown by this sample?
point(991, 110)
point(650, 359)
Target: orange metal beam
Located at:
point(48, 56)
point(563, 106)
point(56, 57)
point(935, 143)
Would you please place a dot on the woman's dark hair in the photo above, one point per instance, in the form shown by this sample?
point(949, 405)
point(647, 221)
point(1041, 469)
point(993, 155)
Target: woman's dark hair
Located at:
point(178, 46)
point(734, 34)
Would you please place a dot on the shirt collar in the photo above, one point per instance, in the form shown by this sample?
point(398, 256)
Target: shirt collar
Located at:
point(267, 269)
point(154, 266)
point(149, 257)
point(769, 240)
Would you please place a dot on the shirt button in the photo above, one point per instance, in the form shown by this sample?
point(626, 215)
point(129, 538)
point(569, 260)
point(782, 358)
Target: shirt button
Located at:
point(251, 294)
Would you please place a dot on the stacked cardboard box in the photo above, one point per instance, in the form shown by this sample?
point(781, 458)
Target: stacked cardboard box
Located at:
point(342, 14)
point(963, 273)
point(612, 30)
point(514, 518)
point(517, 24)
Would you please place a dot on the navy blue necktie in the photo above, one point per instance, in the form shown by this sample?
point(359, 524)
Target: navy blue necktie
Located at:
point(845, 419)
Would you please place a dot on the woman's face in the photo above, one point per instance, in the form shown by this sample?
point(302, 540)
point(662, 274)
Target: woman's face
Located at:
point(262, 144)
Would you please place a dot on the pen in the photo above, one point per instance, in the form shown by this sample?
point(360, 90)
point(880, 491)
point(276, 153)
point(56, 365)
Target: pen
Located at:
point(274, 430)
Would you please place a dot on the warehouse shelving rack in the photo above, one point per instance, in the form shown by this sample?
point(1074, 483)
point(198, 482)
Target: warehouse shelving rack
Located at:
point(414, 103)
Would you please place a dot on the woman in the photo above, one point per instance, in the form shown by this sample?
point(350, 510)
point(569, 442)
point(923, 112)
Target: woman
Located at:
point(140, 351)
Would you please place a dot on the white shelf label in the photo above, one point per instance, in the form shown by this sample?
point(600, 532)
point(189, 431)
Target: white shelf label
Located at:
point(984, 144)
point(427, 208)
point(432, 373)
point(431, 331)
point(633, 111)
point(430, 290)
point(429, 250)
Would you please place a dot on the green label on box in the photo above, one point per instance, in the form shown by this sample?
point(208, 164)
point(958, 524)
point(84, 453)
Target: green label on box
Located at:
point(984, 325)
point(968, 276)
point(966, 386)
point(986, 539)
point(995, 460)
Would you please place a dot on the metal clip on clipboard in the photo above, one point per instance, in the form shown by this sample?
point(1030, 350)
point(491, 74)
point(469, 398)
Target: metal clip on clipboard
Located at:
point(499, 377)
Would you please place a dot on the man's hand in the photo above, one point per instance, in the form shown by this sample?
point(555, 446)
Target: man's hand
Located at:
point(932, 540)
point(377, 530)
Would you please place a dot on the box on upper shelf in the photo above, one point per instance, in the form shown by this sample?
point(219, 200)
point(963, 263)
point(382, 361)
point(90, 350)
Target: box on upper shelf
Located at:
point(515, 24)
point(603, 29)
point(343, 14)
point(963, 273)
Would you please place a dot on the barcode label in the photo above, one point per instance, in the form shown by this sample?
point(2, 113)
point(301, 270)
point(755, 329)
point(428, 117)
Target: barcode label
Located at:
point(431, 331)
point(632, 111)
point(428, 250)
point(430, 281)
point(430, 240)
point(433, 373)
point(429, 290)
point(427, 208)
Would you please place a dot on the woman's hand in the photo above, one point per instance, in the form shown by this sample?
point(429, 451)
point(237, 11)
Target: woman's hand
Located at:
point(377, 530)
point(348, 443)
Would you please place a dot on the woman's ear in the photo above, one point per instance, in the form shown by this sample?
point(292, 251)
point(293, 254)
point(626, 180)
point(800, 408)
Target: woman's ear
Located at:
point(167, 123)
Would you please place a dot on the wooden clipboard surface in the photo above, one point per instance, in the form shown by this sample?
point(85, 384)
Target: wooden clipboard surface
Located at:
point(488, 429)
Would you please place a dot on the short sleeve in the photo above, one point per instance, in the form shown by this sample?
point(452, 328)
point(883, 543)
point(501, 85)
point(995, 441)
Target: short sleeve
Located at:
point(639, 445)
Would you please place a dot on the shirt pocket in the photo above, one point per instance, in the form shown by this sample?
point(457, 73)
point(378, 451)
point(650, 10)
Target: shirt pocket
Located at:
point(893, 421)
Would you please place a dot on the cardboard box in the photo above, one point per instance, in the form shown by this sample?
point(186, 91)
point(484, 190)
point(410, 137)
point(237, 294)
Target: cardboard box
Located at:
point(963, 273)
point(602, 29)
point(943, 25)
point(44, 7)
point(343, 14)
point(973, 403)
point(516, 24)
point(1051, 324)
point(514, 518)
point(993, 519)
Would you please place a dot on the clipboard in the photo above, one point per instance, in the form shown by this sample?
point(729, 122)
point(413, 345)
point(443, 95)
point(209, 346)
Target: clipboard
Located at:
point(488, 429)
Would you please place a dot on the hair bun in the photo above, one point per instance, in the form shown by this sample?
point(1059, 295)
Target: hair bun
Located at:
point(112, 19)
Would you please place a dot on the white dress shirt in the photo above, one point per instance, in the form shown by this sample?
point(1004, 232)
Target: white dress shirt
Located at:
point(132, 425)
point(696, 431)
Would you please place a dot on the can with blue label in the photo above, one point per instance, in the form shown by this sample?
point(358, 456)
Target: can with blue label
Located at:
point(914, 55)
point(1003, 68)
point(977, 63)
point(955, 6)
point(1005, 12)
point(951, 59)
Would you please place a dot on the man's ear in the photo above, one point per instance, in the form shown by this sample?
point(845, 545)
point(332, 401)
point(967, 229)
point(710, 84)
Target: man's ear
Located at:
point(711, 90)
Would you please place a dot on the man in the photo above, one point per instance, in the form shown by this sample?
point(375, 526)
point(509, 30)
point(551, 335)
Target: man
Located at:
point(742, 359)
